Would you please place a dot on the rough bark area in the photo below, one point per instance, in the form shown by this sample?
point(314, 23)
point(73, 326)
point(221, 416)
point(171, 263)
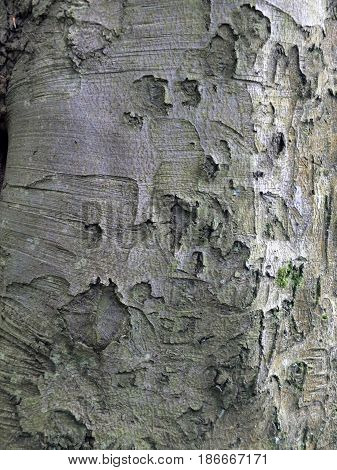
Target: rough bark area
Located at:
point(168, 224)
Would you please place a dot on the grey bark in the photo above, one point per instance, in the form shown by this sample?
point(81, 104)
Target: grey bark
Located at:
point(168, 224)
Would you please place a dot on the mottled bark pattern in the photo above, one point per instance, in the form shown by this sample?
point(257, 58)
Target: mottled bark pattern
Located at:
point(168, 224)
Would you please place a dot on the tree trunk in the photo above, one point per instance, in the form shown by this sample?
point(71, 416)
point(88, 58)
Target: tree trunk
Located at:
point(168, 224)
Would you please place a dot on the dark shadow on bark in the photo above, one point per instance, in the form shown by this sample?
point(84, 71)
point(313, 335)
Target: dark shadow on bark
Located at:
point(3, 150)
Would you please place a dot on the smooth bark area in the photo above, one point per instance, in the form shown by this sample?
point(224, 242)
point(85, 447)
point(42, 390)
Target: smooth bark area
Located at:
point(168, 224)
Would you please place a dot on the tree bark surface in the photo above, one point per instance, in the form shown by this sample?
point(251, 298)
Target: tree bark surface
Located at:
point(168, 224)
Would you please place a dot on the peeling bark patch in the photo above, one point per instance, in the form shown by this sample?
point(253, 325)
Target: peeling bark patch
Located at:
point(93, 31)
point(224, 150)
point(253, 29)
point(134, 120)
point(221, 57)
point(3, 151)
point(275, 216)
point(297, 78)
point(254, 26)
point(141, 292)
point(152, 94)
point(211, 167)
point(278, 144)
point(296, 374)
point(258, 174)
point(332, 8)
point(93, 234)
point(184, 294)
point(182, 215)
point(65, 432)
point(277, 57)
point(286, 71)
point(239, 285)
point(199, 262)
point(191, 92)
point(97, 317)
point(87, 41)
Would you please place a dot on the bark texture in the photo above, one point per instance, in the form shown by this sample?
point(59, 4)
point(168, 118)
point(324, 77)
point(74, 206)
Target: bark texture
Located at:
point(168, 224)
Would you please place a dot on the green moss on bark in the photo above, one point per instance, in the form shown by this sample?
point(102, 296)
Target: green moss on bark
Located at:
point(289, 275)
